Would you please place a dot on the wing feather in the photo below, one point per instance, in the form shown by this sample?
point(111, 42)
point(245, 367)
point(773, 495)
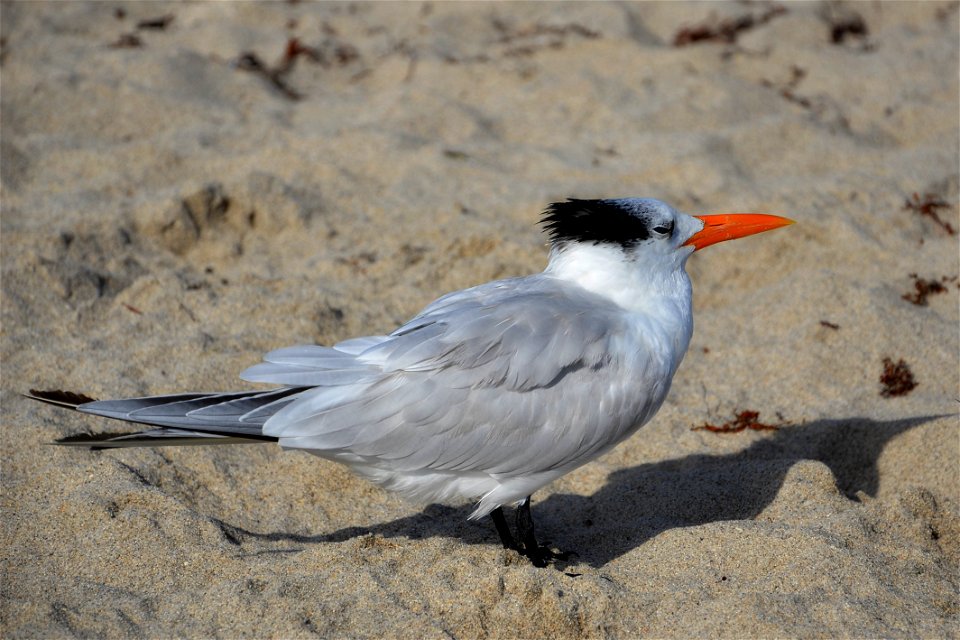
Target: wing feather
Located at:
point(312, 365)
point(495, 379)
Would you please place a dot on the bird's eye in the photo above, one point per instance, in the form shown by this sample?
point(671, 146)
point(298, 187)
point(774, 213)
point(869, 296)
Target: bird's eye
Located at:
point(664, 229)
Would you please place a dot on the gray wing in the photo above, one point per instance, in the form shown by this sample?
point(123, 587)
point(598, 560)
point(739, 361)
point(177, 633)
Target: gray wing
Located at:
point(503, 378)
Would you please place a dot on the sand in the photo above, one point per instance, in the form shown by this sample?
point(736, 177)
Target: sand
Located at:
point(175, 203)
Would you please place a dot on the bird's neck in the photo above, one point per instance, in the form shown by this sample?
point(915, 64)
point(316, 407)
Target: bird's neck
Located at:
point(657, 288)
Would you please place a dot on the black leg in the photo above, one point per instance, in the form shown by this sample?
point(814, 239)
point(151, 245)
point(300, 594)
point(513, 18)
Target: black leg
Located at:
point(501, 524)
point(531, 548)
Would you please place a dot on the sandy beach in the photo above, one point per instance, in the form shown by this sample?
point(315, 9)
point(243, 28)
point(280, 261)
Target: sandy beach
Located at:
point(184, 187)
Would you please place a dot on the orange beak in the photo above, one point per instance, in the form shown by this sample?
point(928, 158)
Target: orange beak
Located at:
point(729, 226)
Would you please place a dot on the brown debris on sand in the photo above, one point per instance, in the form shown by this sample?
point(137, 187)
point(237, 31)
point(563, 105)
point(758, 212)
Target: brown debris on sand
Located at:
point(897, 379)
point(742, 420)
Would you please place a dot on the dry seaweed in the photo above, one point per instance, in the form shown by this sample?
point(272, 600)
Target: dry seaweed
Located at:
point(897, 379)
point(328, 54)
point(928, 206)
point(923, 289)
point(727, 30)
point(741, 421)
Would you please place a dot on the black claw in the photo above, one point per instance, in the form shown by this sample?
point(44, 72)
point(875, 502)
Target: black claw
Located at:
point(538, 559)
point(526, 541)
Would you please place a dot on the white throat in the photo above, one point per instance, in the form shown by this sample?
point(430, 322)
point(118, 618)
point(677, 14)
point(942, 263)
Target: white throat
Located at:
point(634, 283)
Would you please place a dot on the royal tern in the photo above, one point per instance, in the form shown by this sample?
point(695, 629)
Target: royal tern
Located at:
point(489, 393)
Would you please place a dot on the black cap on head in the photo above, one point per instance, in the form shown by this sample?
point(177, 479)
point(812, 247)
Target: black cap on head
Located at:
point(619, 222)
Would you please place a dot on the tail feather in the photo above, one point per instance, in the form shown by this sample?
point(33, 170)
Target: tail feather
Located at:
point(159, 437)
point(66, 399)
point(156, 410)
point(179, 419)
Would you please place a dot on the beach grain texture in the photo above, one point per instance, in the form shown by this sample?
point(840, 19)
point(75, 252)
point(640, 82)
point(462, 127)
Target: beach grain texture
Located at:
point(188, 186)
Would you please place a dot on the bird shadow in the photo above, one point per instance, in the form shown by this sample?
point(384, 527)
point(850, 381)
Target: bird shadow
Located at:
point(637, 503)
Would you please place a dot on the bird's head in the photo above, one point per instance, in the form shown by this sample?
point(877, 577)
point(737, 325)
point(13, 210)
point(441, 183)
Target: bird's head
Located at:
point(645, 230)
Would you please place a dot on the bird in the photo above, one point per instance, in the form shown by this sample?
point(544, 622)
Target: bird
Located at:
point(488, 394)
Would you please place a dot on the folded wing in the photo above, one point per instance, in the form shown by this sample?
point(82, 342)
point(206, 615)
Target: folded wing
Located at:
point(500, 379)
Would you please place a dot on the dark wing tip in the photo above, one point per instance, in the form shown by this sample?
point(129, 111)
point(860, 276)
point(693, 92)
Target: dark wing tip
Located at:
point(56, 397)
point(91, 440)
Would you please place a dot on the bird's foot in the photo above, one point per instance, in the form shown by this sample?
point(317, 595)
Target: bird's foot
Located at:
point(542, 555)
